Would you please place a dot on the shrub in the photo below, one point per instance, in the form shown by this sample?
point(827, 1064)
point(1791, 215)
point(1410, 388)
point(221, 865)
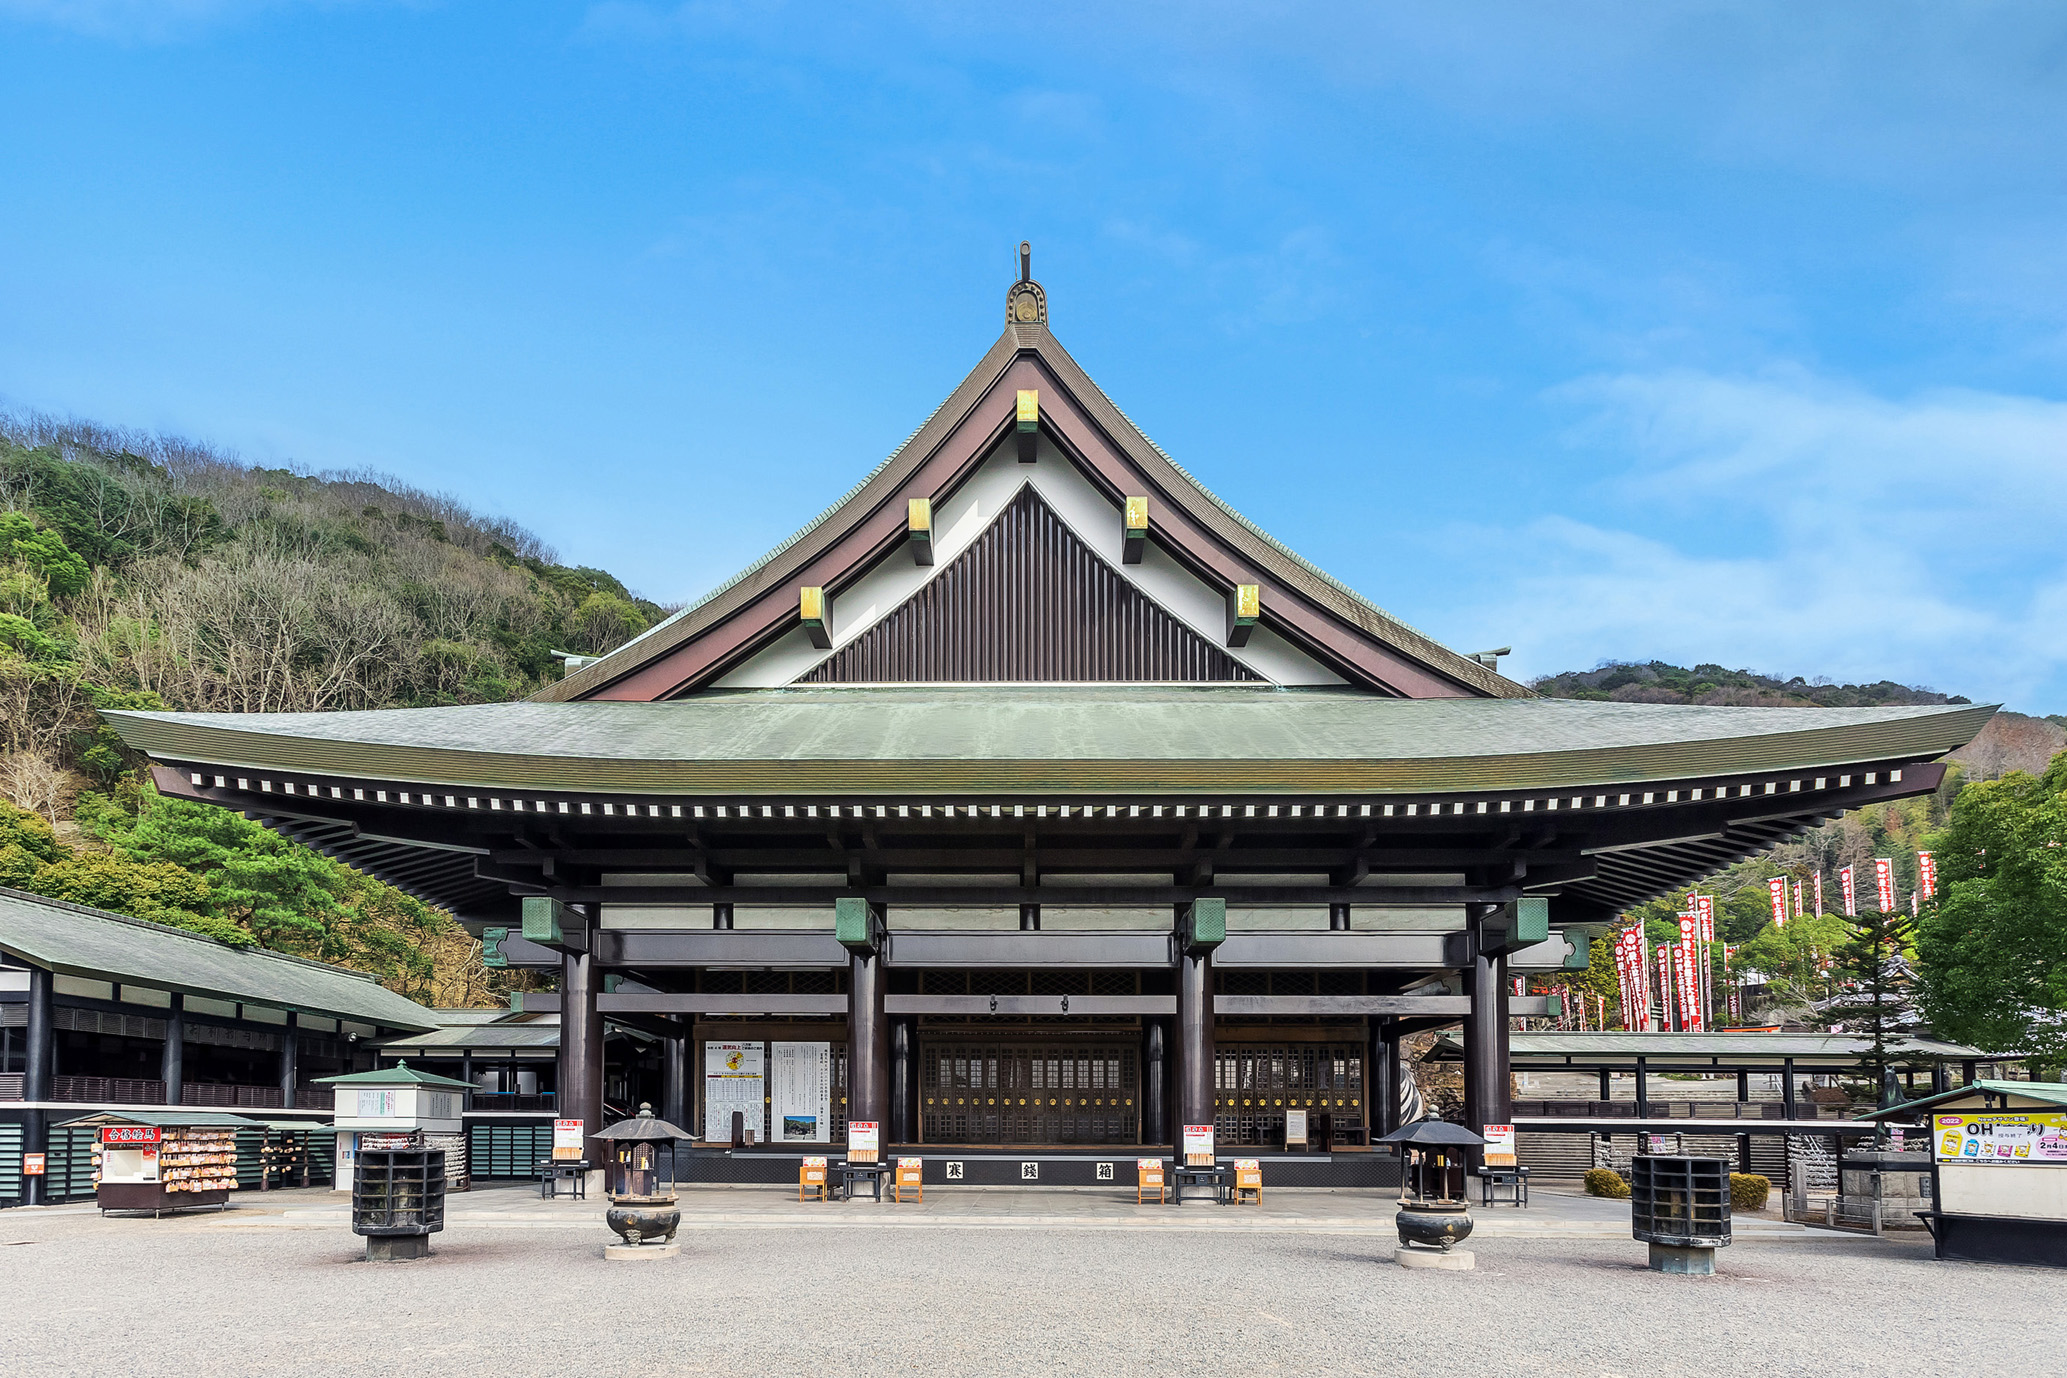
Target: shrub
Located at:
point(1601, 1181)
point(1748, 1191)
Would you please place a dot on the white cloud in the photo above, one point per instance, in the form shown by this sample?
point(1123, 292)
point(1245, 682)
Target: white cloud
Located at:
point(1791, 524)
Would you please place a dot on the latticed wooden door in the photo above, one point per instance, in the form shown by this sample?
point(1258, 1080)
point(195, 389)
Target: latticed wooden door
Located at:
point(1029, 1093)
point(1255, 1083)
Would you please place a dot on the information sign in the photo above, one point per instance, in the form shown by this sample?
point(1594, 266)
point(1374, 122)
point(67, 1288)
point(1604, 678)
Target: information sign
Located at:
point(566, 1140)
point(32, 1164)
point(910, 1178)
point(1295, 1128)
point(811, 1177)
point(732, 1080)
point(800, 1091)
point(2006, 1137)
point(1198, 1145)
point(1148, 1177)
point(1499, 1145)
point(864, 1141)
point(129, 1135)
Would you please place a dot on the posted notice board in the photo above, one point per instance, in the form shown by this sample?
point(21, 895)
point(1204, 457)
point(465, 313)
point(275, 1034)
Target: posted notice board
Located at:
point(733, 1079)
point(800, 1092)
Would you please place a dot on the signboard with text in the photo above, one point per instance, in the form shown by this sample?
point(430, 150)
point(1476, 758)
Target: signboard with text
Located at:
point(566, 1140)
point(129, 1135)
point(1198, 1145)
point(1499, 1145)
point(864, 1140)
point(2006, 1137)
point(32, 1164)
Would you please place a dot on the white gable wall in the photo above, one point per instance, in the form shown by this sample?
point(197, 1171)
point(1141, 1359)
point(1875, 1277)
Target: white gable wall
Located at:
point(960, 519)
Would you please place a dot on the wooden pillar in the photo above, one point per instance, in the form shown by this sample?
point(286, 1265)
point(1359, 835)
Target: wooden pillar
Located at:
point(172, 1059)
point(1787, 1086)
point(1029, 918)
point(674, 1077)
point(1938, 1078)
point(466, 1066)
point(290, 1059)
point(1338, 918)
point(1386, 1079)
point(1743, 1084)
point(902, 1091)
point(39, 1050)
point(1486, 1091)
point(1155, 1121)
point(868, 1038)
point(721, 916)
point(1194, 1041)
point(1643, 1087)
point(1607, 1084)
point(580, 1093)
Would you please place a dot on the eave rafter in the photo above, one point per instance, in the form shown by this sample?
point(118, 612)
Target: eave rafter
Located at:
point(477, 859)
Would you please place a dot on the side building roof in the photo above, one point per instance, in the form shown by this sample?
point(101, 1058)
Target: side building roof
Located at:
point(73, 940)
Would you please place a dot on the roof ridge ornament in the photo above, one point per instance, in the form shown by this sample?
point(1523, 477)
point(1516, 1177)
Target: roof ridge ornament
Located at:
point(1026, 303)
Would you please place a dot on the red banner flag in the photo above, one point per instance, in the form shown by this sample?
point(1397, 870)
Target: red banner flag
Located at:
point(1665, 985)
point(1927, 874)
point(1884, 882)
point(1850, 888)
point(1799, 897)
point(1819, 891)
point(1778, 888)
point(1704, 905)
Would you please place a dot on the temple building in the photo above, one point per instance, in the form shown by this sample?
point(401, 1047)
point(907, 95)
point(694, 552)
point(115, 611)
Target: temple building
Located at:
point(1031, 796)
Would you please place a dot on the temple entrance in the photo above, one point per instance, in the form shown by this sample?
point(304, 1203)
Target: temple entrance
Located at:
point(989, 1092)
point(1255, 1083)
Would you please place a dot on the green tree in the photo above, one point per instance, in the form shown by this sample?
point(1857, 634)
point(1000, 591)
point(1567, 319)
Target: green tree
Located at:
point(1872, 995)
point(1992, 949)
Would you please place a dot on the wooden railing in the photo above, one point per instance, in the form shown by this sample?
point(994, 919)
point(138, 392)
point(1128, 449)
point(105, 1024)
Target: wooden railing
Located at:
point(140, 1091)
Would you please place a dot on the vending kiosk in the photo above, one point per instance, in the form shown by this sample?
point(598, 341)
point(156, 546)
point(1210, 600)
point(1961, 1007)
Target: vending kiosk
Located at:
point(178, 1160)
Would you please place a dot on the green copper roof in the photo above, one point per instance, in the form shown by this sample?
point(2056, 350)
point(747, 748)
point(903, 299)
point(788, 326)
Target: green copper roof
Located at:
point(98, 946)
point(401, 1074)
point(2044, 1092)
point(1050, 738)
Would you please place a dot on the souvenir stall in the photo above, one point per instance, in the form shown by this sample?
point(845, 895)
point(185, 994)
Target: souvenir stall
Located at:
point(177, 1160)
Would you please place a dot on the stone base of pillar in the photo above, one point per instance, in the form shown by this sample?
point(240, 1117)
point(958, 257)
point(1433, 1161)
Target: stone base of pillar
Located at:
point(1452, 1261)
point(395, 1248)
point(1669, 1258)
point(640, 1253)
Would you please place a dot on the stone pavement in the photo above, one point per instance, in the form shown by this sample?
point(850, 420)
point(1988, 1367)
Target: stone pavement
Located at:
point(1040, 1282)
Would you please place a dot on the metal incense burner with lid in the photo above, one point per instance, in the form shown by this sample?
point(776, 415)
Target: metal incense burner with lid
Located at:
point(1435, 1212)
point(643, 1210)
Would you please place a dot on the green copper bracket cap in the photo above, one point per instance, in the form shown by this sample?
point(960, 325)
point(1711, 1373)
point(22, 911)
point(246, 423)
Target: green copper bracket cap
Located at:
point(1205, 924)
point(492, 940)
point(855, 924)
point(516, 1002)
point(542, 919)
point(1531, 919)
point(1554, 1004)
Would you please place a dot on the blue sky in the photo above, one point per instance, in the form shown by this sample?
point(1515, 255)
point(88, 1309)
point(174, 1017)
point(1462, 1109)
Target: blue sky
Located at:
point(1696, 331)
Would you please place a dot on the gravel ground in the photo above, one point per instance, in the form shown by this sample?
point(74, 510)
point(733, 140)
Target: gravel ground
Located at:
point(199, 1295)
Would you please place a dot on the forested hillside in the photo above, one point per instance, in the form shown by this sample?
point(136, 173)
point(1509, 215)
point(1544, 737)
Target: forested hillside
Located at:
point(143, 572)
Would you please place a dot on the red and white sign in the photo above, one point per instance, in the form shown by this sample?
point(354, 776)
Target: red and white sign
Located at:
point(1848, 886)
point(129, 1135)
point(1704, 906)
point(1499, 1145)
point(1927, 874)
point(32, 1164)
point(1777, 888)
point(1884, 882)
point(864, 1140)
point(567, 1140)
point(1198, 1145)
